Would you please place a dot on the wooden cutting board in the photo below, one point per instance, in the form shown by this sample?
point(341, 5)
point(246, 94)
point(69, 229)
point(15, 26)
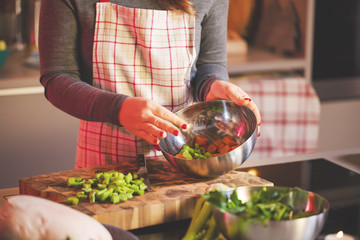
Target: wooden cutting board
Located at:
point(173, 197)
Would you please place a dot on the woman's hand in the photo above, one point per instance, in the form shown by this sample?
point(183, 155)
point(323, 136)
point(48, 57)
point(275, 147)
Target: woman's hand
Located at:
point(222, 90)
point(148, 120)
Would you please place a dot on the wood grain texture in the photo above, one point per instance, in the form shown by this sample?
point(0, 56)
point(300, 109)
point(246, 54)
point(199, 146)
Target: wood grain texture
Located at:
point(173, 198)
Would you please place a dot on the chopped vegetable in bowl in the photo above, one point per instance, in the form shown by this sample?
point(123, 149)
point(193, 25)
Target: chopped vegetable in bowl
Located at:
point(254, 213)
point(263, 205)
point(204, 148)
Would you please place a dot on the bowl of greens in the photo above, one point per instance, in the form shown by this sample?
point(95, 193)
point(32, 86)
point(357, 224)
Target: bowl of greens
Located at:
point(268, 213)
point(220, 137)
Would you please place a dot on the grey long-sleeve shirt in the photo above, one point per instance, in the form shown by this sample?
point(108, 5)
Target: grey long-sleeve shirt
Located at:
point(65, 45)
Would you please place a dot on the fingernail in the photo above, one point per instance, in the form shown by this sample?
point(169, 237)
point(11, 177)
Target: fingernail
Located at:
point(161, 134)
point(258, 134)
point(184, 126)
point(248, 99)
point(259, 123)
point(155, 141)
point(157, 148)
point(176, 132)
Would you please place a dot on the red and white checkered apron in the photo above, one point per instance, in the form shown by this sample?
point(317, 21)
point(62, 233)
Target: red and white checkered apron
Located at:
point(139, 53)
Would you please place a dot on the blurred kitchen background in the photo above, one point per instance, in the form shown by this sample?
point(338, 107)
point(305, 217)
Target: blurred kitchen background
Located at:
point(271, 43)
point(315, 41)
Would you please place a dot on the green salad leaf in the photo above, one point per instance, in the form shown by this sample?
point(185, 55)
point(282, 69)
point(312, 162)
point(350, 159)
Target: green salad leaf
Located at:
point(262, 206)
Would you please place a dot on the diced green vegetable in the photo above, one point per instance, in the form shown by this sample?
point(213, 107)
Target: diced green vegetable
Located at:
point(110, 186)
point(81, 195)
point(194, 153)
point(72, 200)
point(115, 198)
point(75, 182)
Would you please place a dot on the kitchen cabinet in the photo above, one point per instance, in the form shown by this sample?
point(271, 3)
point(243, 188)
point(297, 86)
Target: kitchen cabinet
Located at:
point(259, 59)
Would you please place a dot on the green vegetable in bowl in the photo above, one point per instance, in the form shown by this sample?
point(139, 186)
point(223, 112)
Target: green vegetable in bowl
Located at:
point(193, 153)
point(263, 206)
point(203, 224)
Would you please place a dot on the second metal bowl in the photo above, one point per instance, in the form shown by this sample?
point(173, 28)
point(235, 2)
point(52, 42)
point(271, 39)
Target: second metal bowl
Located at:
point(306, 228)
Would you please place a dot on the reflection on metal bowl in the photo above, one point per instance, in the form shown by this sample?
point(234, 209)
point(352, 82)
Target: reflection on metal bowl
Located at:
point(306, 228)
point(213, 120)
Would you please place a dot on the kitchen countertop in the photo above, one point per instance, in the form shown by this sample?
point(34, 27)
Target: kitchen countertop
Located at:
point(7, 192)
point(16, 72)
point(348, 158)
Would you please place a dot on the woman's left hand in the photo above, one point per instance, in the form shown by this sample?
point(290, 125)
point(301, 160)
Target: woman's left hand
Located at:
point(222, 90)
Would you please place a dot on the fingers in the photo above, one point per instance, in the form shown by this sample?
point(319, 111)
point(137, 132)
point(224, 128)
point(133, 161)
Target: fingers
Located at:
point(230, 91)
point(149, 120)
point(157, 128)
point(170, 118)
point(255, 110)
point(147, 136)
point(245, 100)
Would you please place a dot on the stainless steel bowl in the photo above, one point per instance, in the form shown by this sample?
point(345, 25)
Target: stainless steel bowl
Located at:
point(214, 120)
point(306, 228)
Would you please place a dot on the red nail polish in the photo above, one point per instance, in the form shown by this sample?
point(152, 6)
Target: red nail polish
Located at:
point(259, 124)
point(155, 141)
point(248, 99)
point(184, 126)
point(176, 132)
point(258, 134)
point(161, 134)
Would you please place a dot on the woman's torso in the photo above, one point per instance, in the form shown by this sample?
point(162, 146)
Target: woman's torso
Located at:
point(86, 17)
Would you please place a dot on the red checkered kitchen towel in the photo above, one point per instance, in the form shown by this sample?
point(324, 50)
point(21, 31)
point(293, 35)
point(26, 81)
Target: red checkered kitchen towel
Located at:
point(290, 115)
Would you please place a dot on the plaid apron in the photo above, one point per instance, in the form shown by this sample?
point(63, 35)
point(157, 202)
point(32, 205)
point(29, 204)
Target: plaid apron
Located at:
point(139, 53)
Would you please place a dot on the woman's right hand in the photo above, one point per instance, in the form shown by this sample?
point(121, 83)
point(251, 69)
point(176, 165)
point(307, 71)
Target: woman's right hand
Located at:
point(148, 119)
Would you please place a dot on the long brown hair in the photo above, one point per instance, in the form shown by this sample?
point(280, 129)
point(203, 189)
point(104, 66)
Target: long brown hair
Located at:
point(179, 5)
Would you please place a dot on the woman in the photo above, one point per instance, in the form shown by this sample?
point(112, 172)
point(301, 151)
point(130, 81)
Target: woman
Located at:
point(123, 67)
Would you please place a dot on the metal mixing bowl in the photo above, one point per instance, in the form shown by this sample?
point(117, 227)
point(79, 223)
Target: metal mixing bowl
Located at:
point(214, 120)
point(307, 228)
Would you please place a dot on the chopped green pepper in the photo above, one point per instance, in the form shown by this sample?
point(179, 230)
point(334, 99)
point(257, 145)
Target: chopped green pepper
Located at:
point(72, 200)
point(75, 182)
point(81, 195)
point(113, 186)
point(115, 198)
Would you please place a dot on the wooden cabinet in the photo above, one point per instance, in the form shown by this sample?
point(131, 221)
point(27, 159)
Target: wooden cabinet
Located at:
point(268, 25)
